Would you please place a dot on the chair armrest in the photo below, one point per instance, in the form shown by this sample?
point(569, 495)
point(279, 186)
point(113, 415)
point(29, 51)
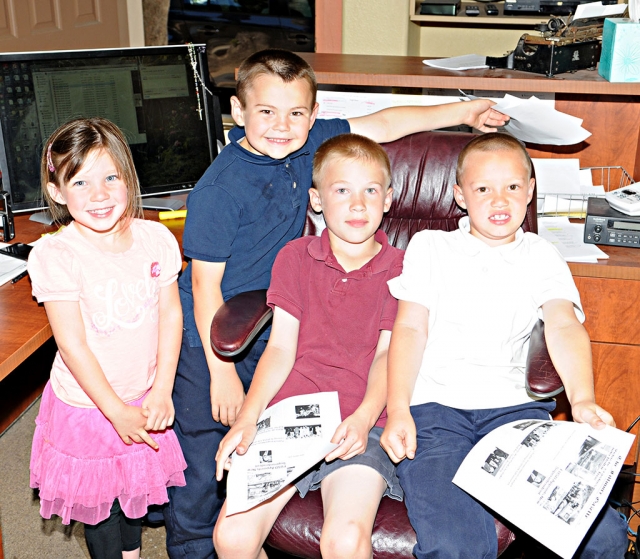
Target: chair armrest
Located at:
point(238, 321)
point(541, 377)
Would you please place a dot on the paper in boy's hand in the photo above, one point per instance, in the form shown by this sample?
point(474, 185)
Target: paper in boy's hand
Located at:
point(549, 478)
point(534, 121)
point(293, 436)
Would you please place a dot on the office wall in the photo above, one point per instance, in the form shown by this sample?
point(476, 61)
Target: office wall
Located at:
point(375, 27)
point(383, 27)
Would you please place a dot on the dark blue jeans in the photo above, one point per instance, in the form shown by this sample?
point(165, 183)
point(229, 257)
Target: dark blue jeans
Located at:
point(449, 523)
point(193, 510)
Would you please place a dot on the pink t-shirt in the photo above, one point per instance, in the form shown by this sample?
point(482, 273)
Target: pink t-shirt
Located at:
point(341, 315)
point(118, 296)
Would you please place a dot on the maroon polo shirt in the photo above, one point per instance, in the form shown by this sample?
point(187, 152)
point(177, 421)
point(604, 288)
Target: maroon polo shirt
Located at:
point(341, 315)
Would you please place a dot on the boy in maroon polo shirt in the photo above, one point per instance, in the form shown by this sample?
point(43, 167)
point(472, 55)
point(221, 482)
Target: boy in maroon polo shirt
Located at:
point(331, 329)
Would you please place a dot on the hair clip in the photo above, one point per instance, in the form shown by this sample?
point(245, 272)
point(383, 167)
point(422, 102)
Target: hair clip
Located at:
point(52, 168)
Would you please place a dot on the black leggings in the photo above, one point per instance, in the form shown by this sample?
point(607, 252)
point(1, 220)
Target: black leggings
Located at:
point(109, 538)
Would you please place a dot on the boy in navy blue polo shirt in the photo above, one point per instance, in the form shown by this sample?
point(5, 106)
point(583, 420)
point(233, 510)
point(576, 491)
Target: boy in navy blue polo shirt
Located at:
point(250, 202)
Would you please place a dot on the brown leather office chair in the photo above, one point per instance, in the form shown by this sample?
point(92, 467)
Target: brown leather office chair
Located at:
point(423, 173)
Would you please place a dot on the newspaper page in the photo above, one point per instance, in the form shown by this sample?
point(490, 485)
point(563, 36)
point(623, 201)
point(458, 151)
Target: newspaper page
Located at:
point(549, 478)
point(293, 435)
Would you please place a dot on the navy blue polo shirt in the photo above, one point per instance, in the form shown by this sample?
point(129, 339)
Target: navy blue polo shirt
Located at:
point(243, 210)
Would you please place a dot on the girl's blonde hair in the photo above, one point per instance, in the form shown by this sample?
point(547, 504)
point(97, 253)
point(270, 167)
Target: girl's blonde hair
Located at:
point(68, 148)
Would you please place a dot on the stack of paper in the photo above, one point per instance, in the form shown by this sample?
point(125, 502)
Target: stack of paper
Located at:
point(10, 267)
point(563, 188)
point(568, 238)
point(534, 121)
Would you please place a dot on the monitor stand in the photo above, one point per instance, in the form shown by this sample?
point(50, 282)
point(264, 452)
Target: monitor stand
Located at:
point(161, 204)
point(42, 217)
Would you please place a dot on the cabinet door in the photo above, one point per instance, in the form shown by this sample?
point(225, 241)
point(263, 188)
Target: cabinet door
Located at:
point(612, 308)
point(616, 375)
point(32, 25)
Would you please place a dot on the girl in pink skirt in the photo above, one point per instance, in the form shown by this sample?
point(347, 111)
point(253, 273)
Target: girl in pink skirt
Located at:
point(103, 450)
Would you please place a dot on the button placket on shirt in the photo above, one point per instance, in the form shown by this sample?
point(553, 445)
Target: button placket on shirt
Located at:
point(287, 168)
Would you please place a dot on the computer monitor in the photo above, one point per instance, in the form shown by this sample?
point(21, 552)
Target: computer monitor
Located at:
point(172, 125)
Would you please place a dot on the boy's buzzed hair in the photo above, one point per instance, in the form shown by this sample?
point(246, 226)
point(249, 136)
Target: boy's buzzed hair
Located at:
point(349, 146)
point(276, 62)
point(493, 141)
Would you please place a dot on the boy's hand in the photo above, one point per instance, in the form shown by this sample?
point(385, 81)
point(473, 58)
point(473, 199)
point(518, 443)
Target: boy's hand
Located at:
point(482, 117)
point(239, 438)
point(227, 395)
point(399, 436)
point(129, 422)
point(159, 408)
point(593, 414)
point(352, 436)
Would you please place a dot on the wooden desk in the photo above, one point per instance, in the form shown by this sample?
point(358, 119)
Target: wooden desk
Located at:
point(610, 111)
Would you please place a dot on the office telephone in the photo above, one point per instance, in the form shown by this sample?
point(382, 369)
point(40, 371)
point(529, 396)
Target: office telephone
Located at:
point(625, 199)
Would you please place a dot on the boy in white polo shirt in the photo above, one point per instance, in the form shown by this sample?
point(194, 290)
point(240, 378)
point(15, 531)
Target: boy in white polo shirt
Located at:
point(468, 300)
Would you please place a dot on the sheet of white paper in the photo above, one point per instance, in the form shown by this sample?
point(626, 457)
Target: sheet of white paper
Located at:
point(586, 179)
point(557, 176)
point(533, 121)
point(550, 478)
point(10, 267)
point(568, 238)
point(464, 62)
point(293, 435)
point(597, 9)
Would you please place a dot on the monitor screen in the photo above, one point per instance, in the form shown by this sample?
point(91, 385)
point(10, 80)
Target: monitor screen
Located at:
point(171, 123)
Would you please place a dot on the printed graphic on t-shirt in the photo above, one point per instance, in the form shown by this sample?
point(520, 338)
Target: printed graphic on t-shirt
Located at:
point(126, 305)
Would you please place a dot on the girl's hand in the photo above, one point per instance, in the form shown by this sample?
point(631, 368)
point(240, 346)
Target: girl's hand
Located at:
point(129, 422)
point(352, 435)
point(159, 409)
point(239, 438)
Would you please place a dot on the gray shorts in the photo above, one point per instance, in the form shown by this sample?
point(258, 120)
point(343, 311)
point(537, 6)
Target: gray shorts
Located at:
point(374, 457)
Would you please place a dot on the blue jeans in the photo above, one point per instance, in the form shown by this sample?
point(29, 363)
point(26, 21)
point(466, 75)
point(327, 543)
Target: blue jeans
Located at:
point(449, 523)
point(193, 510)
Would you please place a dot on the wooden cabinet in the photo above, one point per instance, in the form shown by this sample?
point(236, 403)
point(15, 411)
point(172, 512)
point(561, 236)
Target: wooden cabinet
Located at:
point(612, 309)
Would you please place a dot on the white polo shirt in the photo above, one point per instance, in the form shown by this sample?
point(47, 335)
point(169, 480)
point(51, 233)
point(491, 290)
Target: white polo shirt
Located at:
point(483, 303)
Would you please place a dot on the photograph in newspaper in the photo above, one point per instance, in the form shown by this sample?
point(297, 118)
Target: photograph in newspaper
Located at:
point(292, 437)
point(549, 478)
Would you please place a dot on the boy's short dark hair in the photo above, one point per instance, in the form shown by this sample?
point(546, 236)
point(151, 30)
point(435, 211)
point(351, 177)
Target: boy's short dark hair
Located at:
point(349, 146)
point(275, 62)
point(493, 141)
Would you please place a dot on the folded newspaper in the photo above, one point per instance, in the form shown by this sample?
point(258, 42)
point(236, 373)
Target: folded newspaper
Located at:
point(549, 478)
point(293, 435)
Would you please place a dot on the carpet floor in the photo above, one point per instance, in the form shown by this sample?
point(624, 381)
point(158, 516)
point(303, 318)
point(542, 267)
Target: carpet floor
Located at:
point(25, 534)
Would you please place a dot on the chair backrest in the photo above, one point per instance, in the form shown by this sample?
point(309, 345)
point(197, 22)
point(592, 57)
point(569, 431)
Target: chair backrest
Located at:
point(423, 168)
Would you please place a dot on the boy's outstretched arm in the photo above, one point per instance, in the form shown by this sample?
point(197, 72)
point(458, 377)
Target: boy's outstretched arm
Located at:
point(395, 122)
point(408, 340)
point(353, 432)
point(570, 351)
point(272, 371)
point(227, 393)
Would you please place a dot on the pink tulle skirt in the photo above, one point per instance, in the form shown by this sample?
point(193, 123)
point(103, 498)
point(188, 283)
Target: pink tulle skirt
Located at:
point(80, 464)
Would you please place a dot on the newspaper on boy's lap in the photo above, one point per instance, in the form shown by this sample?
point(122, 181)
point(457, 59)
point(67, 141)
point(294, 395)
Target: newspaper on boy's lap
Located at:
point(293, 435)
point(550, 478)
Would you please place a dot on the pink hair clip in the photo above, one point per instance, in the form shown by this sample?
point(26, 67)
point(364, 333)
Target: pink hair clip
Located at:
point(52, 168)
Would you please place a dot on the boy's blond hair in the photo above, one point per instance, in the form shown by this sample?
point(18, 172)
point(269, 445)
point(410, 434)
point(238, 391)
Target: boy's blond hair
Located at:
point(275, 62)
point(493, 141)
point(349, 147)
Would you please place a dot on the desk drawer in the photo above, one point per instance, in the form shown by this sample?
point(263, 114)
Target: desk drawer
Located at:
point(612, 308)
